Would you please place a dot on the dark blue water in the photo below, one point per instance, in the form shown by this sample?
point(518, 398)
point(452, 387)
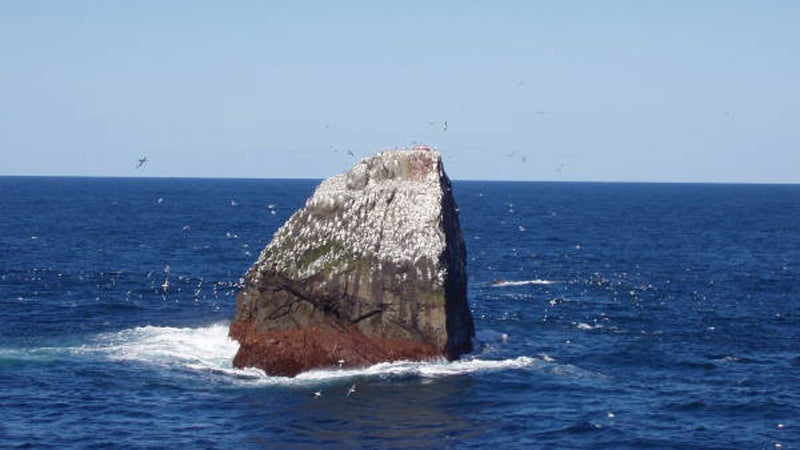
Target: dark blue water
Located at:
point(610, 316)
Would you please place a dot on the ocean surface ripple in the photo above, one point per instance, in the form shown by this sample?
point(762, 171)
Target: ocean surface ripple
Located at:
point(608, 316)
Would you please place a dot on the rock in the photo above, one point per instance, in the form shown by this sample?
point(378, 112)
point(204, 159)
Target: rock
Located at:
point(372, 269)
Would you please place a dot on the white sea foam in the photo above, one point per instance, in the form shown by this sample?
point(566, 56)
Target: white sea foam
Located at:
point(546, 358)
point(429, 369)
point(504, 283)
point(210, 350)
point(208, 347)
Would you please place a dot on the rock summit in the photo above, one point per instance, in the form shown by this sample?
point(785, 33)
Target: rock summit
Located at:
point(372, 269)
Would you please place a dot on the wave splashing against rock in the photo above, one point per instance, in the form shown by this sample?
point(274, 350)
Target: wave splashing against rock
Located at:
point(210, 350)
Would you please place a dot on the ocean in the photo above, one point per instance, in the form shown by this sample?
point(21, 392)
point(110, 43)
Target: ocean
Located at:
point(608, 316)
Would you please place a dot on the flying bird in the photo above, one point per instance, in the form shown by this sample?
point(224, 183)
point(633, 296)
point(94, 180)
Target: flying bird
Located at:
point(165, 284)
point(142, 160)
point(351, 390)
point(444, 127)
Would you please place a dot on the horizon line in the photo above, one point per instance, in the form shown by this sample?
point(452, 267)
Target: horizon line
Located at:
point(779, 183)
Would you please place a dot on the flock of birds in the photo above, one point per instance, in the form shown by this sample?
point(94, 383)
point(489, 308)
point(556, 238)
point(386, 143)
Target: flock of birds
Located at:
point(444, 126)
point(523, 158)
point(350, 391)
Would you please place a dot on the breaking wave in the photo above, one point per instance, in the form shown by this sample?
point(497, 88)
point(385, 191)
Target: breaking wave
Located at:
point(432, 369)
point(210, 350)
point(504, 283)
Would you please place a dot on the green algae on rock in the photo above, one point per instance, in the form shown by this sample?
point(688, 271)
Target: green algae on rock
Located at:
point(372, 269)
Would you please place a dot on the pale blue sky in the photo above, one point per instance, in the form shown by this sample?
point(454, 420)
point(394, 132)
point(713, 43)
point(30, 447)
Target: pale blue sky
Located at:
point(531, 90)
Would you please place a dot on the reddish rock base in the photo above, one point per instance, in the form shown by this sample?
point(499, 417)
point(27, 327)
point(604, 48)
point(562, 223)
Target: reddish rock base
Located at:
point(289, 352)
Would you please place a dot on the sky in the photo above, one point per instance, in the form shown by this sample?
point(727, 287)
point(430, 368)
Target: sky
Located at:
point(678, 91)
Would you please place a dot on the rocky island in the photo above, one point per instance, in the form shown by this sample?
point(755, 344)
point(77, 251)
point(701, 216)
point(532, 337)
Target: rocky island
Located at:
point(372, 269)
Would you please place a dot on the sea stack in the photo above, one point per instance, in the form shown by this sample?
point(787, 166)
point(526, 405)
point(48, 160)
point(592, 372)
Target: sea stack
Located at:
point(371, 270)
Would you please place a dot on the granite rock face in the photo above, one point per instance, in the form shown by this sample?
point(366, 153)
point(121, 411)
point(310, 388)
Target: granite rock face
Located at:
point(372, 269)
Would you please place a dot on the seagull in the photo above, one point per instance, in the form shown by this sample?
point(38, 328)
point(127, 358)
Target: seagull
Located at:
point(142, 160)
point(520, 82)
point(341, 362)
point(444, 126)
point(351, 390)
point(350, 152)
point(165, 284)
point(317, 394)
